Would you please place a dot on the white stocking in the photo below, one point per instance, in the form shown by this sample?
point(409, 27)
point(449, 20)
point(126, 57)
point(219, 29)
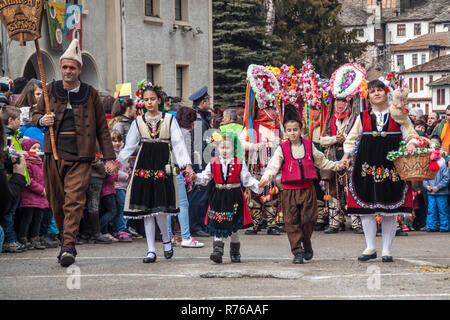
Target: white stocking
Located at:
point(162, 224)
point(234, 237)
point(388, 229)
point(369, 224)
point(149, 224)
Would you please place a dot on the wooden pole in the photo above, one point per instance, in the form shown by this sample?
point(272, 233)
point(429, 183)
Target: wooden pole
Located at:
point(46, 100)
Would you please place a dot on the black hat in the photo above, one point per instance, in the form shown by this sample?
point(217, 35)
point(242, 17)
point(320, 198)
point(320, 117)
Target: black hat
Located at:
point(19, 85)
point(291, 114)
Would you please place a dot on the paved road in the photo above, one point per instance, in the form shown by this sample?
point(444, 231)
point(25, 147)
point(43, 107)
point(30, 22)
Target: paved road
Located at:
point(420, 271)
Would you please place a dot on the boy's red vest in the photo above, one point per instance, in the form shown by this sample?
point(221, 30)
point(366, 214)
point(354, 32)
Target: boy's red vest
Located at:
point(297, 173)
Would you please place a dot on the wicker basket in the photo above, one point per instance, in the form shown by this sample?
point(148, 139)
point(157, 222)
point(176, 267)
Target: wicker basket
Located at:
point(414, 167)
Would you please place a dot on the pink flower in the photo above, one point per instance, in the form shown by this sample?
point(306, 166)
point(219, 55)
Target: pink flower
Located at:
point(160, 174)
point(141, 173)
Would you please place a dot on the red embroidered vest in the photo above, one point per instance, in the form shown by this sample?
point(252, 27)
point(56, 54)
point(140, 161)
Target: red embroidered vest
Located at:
point(233, 174)
point(297, 173)
point(367, 123)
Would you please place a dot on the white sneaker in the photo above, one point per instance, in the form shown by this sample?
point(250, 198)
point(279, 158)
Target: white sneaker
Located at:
point(191, 243)
point(111, 237)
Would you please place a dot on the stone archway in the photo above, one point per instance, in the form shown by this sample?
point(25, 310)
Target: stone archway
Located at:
point(31, 69)
point(89, 73)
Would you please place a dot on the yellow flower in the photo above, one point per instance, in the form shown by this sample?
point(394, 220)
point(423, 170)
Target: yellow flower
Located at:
point(291, 68)
point(216, 136)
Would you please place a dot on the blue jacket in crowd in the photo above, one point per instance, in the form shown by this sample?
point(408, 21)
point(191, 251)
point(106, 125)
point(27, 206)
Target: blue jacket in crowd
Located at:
point(440, 181)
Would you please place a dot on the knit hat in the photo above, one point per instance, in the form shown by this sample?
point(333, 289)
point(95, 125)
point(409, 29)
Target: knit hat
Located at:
point(73, 52)
point(291, 114)
point(416, 112)
point(28, 143)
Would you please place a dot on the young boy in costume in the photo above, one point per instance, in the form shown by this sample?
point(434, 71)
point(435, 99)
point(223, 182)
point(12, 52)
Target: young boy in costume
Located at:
point(228, 211)
point(297, 159)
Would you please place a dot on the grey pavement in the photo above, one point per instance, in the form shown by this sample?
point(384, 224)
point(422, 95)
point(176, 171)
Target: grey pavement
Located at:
point(420, 271)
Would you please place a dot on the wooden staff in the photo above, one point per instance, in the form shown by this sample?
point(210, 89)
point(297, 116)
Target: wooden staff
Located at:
point(46, 100)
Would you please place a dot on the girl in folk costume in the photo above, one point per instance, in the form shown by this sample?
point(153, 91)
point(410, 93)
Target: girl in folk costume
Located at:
point(344, 83)
point(297, 158)
point(260, 137)
point(228, 210)
point(375, 186)
point(152, 191)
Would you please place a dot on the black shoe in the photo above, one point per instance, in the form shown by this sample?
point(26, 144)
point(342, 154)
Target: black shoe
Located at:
point(319, 227)
point(309, 253)
point(273, 231)
point(331, 230)
point(234, 252)
point(298, 258)
point(169, 253)
point(150, 259)
point(342, 227)
point(217, 253)
point(201, 234)
point(282, 228)
point(387, 259)
point(400, 233)
point(251, 232)
point(47, 242)
point(367, 257)
point(67, 257)
point(358, 230)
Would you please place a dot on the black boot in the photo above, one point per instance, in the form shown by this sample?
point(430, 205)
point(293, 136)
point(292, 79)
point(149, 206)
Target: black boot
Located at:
point(319, 227)
point(217, 253)
point(234, 252)
point(298, 258)
point(308, 255)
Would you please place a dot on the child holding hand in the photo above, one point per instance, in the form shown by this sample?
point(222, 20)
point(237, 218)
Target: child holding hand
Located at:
point(228, 211)
point(297, 158)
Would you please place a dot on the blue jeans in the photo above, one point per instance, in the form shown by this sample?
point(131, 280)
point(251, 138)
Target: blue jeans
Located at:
point(198, 205)
point(2, 238)
point(183, 216)
point(7, 222)
point(120, 223)
point(438, 209)
point(109, 210)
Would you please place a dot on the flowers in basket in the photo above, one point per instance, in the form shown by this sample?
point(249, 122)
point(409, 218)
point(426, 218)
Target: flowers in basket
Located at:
point(311, 85)
point(264, 84)
point(289, 79)
point(437, 154)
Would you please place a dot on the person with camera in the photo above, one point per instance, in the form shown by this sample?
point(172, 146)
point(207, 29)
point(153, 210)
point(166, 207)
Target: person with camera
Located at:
point(10, 187)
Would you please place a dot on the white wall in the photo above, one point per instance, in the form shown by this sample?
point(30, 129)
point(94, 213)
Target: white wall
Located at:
point(391, 31)
point(441, 107)
point(408, 59)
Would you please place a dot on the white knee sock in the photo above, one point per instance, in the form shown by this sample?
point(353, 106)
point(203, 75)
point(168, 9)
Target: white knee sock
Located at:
point(369, 224)
point(162, 224)
point(388, 229)
point(149, 224)
point(216, 238)
point(234, 237)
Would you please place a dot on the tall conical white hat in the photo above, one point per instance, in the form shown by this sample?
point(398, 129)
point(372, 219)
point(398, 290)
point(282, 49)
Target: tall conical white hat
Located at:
point(73, 52)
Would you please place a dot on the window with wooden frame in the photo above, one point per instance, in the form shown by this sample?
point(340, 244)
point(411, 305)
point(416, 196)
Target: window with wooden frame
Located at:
point(411, 84)
point(153, 72)
point(441, 96)
point(401, 30)
point(431, 28)
point(421, 84)
point(414, 59)
point(417, 29)
point(152, 8)
point(400, 60)
point(182, 81)
point(415, 84)
point(181, 10)
point(424, 58)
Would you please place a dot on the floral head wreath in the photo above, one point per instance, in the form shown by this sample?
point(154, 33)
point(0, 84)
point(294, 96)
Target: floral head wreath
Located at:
point(144, 85)
point(345, 82)
point(391, 82)
point(217, 137)
point(289, 80)
point(264, 84)
point(311, 85)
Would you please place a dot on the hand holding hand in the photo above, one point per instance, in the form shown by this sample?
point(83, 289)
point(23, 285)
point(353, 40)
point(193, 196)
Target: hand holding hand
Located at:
point(343, 164)
point(435, 189)
point(111, 167)
point(340, 138)
point(190, 173)
point(429, 188)
point(263, 183)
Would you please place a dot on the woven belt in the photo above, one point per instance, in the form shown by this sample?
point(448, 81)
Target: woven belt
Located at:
point(228, 186)
point(381, 133)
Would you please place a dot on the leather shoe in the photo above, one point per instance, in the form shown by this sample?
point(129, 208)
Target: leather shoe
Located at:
point(367, 257)
point(298, 258)
point(309, 253)
point(273, 231)
point(331, 230)
point(387, 259)
point(201, 234)
point(251, 232)
point(169, 253)
point(150, 259)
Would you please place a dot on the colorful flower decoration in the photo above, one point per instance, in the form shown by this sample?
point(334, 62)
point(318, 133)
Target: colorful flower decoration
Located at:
point(289, 80)
point(264, 84)
point(346, 80)
point(363, 89)
point(311, 85)
point(142, 86)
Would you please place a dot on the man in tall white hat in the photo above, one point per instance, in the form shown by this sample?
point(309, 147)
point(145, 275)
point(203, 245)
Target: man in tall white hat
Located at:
point(79, 120)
